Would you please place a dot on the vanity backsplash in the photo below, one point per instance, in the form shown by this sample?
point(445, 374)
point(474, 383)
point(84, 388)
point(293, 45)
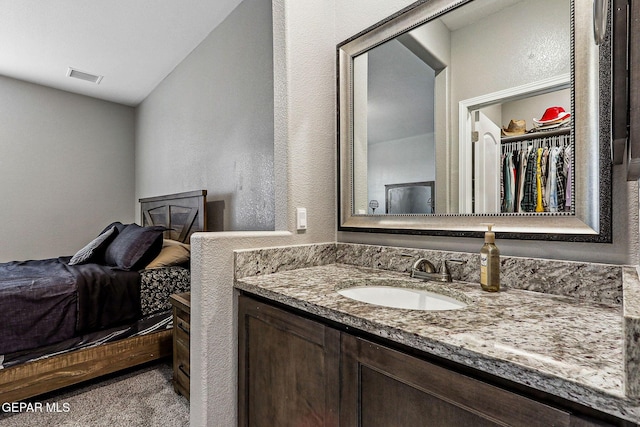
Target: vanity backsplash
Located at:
point(591, 282)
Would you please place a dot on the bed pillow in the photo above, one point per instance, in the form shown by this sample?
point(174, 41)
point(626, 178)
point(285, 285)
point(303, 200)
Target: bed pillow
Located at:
point(172, 253)
point(95, 248)
point(134, 247)
point(118, 225)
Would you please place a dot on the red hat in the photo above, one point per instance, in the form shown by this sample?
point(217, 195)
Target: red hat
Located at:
point(553, 114)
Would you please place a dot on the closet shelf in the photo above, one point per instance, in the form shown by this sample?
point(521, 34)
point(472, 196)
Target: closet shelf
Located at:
point(536, 135)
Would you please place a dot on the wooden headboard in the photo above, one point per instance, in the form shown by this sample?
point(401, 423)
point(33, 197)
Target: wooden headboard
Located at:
point(182, 213)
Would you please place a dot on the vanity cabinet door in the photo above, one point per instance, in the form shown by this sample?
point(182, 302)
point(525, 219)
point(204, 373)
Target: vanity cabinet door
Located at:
point(383, 387)
point(288, 373)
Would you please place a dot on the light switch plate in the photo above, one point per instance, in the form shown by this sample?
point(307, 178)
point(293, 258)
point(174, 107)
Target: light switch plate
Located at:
point(301, 218)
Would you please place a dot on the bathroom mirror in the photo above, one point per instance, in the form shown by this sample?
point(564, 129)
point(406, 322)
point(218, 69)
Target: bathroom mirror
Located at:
point(463, 95)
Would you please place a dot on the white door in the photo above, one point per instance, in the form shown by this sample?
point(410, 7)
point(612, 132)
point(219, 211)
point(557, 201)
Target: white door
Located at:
point(486, 168)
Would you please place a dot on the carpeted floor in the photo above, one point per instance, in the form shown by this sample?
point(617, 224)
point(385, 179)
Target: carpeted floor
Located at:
point(138, 398)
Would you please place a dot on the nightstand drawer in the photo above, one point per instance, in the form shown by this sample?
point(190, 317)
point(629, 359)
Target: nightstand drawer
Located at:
point(182, 331)
point(184, 316)
point(181, 369)
point(181, 342)
point(182, 358)
point(181, 382)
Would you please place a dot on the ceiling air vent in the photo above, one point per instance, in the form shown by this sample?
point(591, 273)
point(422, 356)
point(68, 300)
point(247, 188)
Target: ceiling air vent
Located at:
point(77, 74)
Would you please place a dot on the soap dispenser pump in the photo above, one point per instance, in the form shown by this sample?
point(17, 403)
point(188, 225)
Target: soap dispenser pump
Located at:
point(490, 262)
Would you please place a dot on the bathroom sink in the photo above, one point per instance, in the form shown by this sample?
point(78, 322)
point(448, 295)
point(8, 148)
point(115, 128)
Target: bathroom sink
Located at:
point(403, 294)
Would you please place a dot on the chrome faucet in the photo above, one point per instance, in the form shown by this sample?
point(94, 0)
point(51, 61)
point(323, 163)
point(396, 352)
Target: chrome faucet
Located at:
point(424, 269)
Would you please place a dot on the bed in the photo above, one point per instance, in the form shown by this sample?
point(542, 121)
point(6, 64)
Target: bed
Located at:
point(85, 332)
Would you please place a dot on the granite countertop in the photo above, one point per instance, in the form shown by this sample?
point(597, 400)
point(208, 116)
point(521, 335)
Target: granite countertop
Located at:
point(561, 345)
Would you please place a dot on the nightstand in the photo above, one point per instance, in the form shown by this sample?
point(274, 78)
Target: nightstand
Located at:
point(181, 336)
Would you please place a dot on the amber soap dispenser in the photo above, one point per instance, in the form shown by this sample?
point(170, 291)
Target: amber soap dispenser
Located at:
point(490, 262)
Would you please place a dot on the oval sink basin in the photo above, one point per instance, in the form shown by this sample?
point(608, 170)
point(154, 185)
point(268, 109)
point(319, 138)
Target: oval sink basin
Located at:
point(404, 296)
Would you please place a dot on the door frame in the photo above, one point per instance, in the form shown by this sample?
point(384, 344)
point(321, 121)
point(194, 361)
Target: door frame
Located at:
point(465, 126)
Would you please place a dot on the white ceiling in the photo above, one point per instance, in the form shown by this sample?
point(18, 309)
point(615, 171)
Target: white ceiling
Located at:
point(134, 44)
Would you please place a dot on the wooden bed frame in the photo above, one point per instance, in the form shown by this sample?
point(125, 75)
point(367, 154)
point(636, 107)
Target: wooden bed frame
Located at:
point(183, 214)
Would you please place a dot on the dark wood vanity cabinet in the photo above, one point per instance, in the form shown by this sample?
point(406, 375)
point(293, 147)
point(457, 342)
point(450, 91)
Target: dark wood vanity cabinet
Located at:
point(294, 371)
point(384, 387)
point(288, 369)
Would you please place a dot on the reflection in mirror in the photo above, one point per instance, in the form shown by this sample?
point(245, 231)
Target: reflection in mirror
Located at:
point(394, 122)
point(498, 103)
point(507, 62)
point(410, 198)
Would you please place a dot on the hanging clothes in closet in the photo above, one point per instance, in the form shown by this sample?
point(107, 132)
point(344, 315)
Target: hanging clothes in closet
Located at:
point(536, 174)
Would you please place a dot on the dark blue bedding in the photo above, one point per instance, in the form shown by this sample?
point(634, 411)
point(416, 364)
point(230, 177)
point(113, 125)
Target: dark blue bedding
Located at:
point(46, 301)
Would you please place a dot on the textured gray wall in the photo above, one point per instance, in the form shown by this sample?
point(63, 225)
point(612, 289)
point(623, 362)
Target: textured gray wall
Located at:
point(66, 169)
point(304, 165)
point(209, 124)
